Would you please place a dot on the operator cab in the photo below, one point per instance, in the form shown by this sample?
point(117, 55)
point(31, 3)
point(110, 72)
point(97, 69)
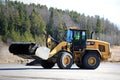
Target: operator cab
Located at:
point(77, 38)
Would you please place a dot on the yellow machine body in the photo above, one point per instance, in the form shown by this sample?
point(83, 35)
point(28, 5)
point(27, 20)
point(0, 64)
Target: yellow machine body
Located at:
point(100, 47)
point(85, 53)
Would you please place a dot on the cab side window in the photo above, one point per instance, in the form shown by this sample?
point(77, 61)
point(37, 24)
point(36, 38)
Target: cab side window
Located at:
point(83, 35)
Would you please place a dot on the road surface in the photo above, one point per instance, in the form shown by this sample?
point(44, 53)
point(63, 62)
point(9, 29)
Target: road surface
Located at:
point(106, 71)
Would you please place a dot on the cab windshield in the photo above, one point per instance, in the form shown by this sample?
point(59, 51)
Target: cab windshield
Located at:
point(69, 36)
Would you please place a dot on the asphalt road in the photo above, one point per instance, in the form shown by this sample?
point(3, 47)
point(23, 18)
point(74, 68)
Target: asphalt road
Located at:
point(106, 71)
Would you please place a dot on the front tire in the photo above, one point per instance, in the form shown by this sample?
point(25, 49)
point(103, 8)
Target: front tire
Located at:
point(47, 64)
point(65, 60)
point(91, 61)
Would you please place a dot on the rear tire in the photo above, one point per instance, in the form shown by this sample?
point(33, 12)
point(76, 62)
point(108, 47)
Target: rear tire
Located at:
point(65, 60)
point(80, 65)
point(46, 64)
point(91, 61)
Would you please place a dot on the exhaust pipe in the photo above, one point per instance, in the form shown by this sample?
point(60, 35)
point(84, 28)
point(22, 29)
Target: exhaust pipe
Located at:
point(92, 35)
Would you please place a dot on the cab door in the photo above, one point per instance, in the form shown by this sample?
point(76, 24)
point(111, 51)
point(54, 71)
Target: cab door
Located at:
point(79, 40)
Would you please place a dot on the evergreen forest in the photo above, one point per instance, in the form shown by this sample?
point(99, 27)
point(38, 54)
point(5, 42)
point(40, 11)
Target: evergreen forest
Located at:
point(31, 23)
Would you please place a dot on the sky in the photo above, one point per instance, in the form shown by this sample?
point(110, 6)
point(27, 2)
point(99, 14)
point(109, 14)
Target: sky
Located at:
point(107, 9)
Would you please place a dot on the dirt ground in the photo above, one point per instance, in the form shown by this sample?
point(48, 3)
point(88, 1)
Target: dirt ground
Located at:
point(115, 54)
point(6, 57)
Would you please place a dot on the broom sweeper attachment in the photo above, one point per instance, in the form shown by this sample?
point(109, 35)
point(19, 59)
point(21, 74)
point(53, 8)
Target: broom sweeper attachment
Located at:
point(29, 50)
point(23, 49)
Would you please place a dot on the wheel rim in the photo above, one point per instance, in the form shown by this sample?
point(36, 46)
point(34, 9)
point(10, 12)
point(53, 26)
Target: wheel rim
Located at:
point(67, 60)
point(92, 61)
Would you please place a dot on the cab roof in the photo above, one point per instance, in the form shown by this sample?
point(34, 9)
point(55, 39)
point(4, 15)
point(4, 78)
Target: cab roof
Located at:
point(75, 28)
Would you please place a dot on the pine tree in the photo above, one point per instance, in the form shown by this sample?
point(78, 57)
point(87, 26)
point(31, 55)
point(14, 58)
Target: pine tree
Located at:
point(3, 20)
point(38, 26)
point(51, 22)
point(98, 27)
point(89, 30)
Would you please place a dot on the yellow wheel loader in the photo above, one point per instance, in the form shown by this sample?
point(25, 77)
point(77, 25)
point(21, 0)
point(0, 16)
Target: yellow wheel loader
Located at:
point(76, 49)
